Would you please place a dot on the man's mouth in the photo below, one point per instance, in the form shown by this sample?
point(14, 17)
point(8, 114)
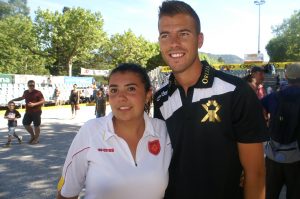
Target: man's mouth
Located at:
point(176, 55)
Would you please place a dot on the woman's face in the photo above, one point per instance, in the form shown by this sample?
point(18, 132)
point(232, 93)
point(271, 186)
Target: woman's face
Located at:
point(127, 96)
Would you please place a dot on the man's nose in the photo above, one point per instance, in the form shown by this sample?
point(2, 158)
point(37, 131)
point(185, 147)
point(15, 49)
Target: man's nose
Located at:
point(174, 40)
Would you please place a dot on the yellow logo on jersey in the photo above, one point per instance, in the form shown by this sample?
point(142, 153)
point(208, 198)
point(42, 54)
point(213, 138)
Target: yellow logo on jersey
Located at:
point(211, 107)
point(60, 183)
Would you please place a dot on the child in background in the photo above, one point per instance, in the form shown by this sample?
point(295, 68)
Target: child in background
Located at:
point(12, 115)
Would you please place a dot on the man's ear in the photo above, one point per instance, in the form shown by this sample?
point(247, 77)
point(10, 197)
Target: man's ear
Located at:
point(200, 39)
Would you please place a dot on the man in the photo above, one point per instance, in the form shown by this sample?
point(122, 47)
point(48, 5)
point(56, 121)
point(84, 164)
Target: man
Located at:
point(34, 100)
point(258, 74)
point(282, 150)
point(214, 120)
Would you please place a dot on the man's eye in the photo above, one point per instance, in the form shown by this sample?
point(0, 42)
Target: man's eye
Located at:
point(163, 36)
point(183, 34)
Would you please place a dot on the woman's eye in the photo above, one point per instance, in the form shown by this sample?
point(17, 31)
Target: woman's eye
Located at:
point(113, 90)
point(131, 89)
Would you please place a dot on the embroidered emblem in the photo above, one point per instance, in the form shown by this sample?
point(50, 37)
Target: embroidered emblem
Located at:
point(212, 107)
point(154, 147)
point(206, 75)
point(106, 150)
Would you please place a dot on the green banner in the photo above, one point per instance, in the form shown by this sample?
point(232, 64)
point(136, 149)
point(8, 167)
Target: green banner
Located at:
point(8, 79)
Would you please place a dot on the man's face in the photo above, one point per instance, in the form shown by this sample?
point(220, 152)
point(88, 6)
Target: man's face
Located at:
point(31, 85)
point(179, 41)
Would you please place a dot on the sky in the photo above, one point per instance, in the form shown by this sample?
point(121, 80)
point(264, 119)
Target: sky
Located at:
point(229, 26)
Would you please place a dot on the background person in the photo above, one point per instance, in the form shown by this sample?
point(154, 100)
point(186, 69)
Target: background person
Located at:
point(100, 108)
point(56, 95)
point(214, 120)
point(11, 114)
point(258, 73)
point(34, 100)
point(74, 100)
point(125, 154)
point(282, 150)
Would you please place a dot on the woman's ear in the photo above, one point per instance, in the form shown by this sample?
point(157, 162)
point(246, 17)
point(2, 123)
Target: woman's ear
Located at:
point(148, 96)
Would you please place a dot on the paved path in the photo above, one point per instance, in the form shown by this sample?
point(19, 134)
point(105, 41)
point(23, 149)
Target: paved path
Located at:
point(32, 171)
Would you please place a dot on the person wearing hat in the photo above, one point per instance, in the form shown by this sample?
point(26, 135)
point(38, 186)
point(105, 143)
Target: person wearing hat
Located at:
point(258, 73)
point(282, 150)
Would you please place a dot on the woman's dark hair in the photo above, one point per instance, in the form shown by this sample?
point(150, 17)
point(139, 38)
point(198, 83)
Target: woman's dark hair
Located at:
point(248, 78)
point(140, 71)
point(171, 8)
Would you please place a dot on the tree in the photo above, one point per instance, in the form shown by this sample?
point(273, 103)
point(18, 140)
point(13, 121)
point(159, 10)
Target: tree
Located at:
point(13, 7)
point(129, 48)
point(16, 34)
point(155, 61)
point(221, 60)
point(68, 37)
point(286, 45)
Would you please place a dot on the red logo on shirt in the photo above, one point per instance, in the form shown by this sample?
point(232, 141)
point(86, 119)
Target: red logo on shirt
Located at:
point(154, 147)
point(106, 150)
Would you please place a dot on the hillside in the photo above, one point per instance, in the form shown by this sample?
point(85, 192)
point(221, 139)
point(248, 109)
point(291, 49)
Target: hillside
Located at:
point(227, 58)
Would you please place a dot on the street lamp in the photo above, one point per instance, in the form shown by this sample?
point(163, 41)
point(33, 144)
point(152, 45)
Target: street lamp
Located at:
point(259, 3)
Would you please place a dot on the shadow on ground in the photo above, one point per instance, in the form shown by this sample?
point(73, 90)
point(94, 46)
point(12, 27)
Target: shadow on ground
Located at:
point(32, 171)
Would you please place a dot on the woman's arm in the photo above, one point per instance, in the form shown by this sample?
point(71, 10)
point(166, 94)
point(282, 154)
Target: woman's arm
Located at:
point(59, 196)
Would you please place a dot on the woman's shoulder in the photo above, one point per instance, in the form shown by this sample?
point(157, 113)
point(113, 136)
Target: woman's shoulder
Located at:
point(158, 125)
point(98, 123)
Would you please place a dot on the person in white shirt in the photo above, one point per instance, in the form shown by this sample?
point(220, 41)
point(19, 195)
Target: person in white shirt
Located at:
point(124, 155)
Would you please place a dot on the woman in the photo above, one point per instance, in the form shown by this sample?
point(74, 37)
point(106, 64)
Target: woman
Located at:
point(74, 100)
point(100, 107)
point(124, 155)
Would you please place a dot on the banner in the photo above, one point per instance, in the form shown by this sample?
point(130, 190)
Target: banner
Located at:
point(249, 58)
point(80, 81)
point(8, 79)
point(93, 72)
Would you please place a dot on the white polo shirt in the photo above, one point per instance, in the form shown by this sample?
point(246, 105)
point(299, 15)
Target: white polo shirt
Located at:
point(102, 161)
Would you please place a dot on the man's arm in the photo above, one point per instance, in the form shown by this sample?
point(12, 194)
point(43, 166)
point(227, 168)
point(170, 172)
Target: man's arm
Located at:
point(252, 160)
point(18, 99)
point(31, 104)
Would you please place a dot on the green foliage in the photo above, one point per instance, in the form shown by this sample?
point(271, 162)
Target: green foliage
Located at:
point(16, 35)
point(129, 48)
point(221, 60)
point(58, 43)
point(155, 61)
point(210, 60)
point(68, 37)
point(13, 7)
point(286, 45)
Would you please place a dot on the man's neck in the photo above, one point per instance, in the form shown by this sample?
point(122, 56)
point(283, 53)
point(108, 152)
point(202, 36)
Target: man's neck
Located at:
point(189, 77)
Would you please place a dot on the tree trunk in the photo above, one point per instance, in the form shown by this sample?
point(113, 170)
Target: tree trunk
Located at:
point(70, 68)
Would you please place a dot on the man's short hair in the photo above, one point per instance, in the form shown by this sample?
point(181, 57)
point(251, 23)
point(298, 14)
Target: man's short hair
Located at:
point(292, 73)
point(171, 8)
point(31, 82)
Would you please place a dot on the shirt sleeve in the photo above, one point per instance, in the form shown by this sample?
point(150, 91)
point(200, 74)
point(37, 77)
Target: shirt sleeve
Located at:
point(6, 113)
point(18, 115)
point(75, 167)
point(40, 96)
point(248, 120)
